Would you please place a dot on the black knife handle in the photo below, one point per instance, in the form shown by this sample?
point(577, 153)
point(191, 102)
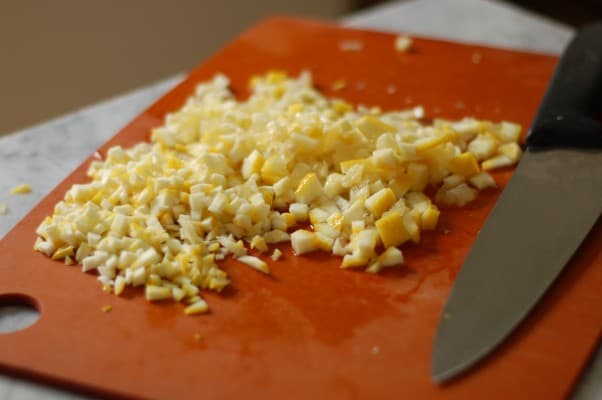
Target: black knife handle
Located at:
point(567, 115)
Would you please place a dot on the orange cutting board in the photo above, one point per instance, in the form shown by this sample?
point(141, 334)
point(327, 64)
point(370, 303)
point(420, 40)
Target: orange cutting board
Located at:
point(312, 330)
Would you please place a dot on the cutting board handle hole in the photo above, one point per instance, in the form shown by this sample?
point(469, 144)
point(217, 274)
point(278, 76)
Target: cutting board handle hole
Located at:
point(17, 312)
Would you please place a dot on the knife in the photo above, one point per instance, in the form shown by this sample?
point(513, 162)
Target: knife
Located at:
point(552, 201)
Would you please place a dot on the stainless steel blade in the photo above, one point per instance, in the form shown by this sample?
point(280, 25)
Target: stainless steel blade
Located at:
point(550, 204)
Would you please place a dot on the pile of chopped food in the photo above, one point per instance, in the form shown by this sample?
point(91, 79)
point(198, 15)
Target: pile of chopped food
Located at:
point(287, 164)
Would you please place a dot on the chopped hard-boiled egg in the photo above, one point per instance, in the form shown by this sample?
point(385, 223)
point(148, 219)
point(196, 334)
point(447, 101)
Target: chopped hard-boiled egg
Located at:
point(21, 189)
point(255, 263)
point(200, 306)
point(339, 85)
point(403, 43)
point(221, 176)
point(276, 255)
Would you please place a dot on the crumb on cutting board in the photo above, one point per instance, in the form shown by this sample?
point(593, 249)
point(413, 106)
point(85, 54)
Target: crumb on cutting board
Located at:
point(276, 255)
point(403, 43)
point(339, 85)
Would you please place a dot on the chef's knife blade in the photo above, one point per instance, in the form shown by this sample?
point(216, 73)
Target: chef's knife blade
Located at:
point(550, 204)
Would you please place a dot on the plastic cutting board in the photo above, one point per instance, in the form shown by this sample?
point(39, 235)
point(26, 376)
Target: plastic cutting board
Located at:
point(312, 330)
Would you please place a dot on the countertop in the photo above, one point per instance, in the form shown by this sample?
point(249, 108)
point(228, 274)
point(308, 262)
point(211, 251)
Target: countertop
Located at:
point(45, 154)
